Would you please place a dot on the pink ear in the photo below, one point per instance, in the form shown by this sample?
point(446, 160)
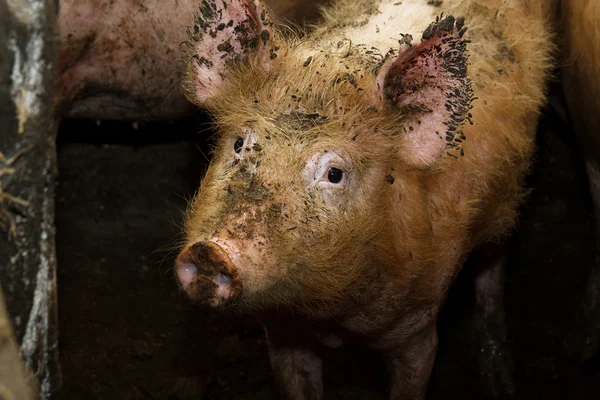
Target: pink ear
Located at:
point(427, 84)
point(225, 32)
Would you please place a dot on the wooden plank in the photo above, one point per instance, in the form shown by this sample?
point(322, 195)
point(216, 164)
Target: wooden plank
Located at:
point(28, 48)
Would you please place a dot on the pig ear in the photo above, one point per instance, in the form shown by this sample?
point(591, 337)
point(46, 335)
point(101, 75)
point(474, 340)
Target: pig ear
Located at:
point(427, 84)
point(225, 32)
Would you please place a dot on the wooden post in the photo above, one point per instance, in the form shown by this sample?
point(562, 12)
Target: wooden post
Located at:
point(28, 50)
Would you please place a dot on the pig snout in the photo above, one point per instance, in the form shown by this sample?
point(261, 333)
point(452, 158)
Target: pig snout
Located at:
point(207, 274)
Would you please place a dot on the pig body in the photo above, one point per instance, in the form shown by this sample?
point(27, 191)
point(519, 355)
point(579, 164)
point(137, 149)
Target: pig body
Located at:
point(357, 168)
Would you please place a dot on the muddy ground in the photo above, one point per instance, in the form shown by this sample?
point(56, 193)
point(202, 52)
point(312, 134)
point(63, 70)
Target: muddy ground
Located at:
point(128, 333)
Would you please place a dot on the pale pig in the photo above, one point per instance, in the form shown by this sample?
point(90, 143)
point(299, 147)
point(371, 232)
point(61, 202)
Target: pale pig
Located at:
point(119, 59)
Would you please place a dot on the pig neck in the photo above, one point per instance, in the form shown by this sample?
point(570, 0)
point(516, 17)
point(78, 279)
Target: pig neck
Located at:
point(381, 314)
point(403, 291)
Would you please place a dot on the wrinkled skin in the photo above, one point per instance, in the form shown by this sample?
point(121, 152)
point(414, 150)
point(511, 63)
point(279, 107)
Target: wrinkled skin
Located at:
point(352, 177)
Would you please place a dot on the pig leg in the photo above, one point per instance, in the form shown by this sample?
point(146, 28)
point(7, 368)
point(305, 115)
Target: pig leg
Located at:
point(410, 367)
point(585, 341)
point(493, 356)
point(582, 94)
point(296, 365)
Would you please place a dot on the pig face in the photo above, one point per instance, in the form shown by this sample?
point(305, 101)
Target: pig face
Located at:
point(287, 210)
point(315, 186)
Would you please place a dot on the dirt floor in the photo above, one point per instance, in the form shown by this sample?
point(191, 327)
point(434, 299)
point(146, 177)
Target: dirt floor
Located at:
point(128, 333)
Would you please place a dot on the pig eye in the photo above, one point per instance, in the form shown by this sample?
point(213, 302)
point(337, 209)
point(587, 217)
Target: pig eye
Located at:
point(237, 146)
point(328, 170)
point(335, 175)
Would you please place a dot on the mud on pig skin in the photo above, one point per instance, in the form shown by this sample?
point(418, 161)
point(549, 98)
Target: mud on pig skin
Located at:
point(357, 168)
point(119, 59)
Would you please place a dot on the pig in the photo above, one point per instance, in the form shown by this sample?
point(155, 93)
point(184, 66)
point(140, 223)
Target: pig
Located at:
point(581, 85)
point(357, 167)
point(118, 59)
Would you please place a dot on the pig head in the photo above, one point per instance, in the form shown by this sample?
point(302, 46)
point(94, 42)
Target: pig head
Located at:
point(318, 187)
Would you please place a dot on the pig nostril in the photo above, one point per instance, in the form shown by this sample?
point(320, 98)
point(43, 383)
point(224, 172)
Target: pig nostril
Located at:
point(223, 279)
point(186, 272)
point(224, 283)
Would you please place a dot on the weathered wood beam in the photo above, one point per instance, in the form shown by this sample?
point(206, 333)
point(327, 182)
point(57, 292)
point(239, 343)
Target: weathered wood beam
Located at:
point(28, 50)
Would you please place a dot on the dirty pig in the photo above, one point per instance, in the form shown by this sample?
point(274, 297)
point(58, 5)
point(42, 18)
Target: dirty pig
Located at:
point(357, 167)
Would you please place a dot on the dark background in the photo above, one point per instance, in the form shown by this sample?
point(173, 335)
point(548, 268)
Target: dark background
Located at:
point(126, 332)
